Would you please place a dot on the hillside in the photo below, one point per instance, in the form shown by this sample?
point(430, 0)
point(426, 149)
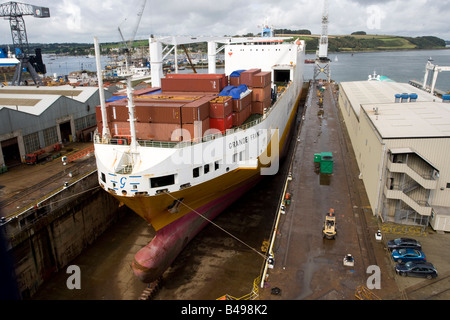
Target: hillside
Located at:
point(352, 43)
point(337, 43)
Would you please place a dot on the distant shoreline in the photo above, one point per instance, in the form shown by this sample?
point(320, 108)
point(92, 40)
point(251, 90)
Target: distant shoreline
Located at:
point(380, 50)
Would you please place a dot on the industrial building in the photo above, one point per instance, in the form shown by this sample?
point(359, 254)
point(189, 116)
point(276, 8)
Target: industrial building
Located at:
point(36, 117)
point(401, 140)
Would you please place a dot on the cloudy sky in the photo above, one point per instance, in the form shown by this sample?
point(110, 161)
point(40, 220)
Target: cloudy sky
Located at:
point(81, 20)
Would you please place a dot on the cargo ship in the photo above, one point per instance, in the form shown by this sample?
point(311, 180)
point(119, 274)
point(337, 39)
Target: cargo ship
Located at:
point(182, 151)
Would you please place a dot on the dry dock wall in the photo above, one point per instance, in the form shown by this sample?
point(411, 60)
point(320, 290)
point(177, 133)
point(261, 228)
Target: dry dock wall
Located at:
point(61, 229)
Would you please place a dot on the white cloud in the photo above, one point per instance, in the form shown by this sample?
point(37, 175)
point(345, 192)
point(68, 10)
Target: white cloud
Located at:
point(80, 21)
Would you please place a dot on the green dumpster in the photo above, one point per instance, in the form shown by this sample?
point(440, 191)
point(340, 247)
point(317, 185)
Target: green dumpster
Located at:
point(326, 162)
point(317, 157)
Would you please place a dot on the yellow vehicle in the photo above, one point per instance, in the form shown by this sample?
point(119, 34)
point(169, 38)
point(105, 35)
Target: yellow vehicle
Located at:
point(329, 230)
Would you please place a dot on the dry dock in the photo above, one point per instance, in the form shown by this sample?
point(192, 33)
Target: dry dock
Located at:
point(306, 266)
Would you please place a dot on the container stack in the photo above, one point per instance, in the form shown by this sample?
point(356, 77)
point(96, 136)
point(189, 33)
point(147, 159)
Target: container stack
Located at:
point(195, 117)
point(261, 92)
point(220, 113)
point(193, 102)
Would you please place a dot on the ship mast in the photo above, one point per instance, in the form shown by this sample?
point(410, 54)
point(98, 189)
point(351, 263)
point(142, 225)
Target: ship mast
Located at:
point(105, 133)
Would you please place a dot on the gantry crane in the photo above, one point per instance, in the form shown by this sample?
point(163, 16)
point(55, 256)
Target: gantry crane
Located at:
point(14, 12)
point(322, 63)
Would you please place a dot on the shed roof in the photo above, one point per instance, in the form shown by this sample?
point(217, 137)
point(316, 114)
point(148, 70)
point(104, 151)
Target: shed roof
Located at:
point(35, 100)
point(380, 92)
point(410, 120)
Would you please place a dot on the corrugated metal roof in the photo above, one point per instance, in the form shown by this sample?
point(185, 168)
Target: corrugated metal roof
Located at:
point(35, 100)
point(410, 120)
point(380, 92)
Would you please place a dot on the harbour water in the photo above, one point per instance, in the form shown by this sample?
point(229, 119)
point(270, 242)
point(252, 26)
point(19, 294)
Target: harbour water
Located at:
point(400, 66)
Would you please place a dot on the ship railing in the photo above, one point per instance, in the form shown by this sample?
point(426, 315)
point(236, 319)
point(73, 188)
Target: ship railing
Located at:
point(206, 138)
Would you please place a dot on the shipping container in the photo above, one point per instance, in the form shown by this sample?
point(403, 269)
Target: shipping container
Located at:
point(118, 110)
point(261, 94)
point(240, 117)
point(119, 129)
point(170, 96)
point(244, 101)
point(196, 130)
point(262, 79)
point(158, 112)
point(221, 76)
point(158, 131)
point(191, 85)
point(247, 76)
point(221, 124)
point(197, 110)
point(235, 77)
point(259, 106)
point(145, 91)
point(220, 107)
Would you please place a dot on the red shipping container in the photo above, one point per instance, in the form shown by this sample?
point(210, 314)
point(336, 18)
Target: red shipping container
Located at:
point(261, 94)
point(235, 81)
point(119, 129)
point(158, 131)
point(197, 110)
point(144, 91)
point(169, 95)
point(259, 106)
point(220, 107)
point(221, 124)
point(223, 78)
point(191, 85)
point(118, 111)
point(240, 117)
point(262, 79)
point(196, 130)
point(247, 76)
point(240, 104)
point(158, 112)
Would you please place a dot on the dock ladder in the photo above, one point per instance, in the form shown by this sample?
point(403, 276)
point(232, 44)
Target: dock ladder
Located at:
point(76, 155)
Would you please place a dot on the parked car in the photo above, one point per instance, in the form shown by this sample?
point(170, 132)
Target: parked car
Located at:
point(404, 243)
point(416, 269)
point(406, 255)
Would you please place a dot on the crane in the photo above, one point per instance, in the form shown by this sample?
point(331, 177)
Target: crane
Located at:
point(322, 63)
point(14, 12)
point(128, 45)
point(435, 69)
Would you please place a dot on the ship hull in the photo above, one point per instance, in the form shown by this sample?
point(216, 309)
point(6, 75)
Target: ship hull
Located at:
point(152, 260)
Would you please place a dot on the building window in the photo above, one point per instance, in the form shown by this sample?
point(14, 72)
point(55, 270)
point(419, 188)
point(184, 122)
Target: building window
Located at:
point(216, 165)
point(50, 136)
point(206, 169)
point(448, 185)
point(31, 142)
